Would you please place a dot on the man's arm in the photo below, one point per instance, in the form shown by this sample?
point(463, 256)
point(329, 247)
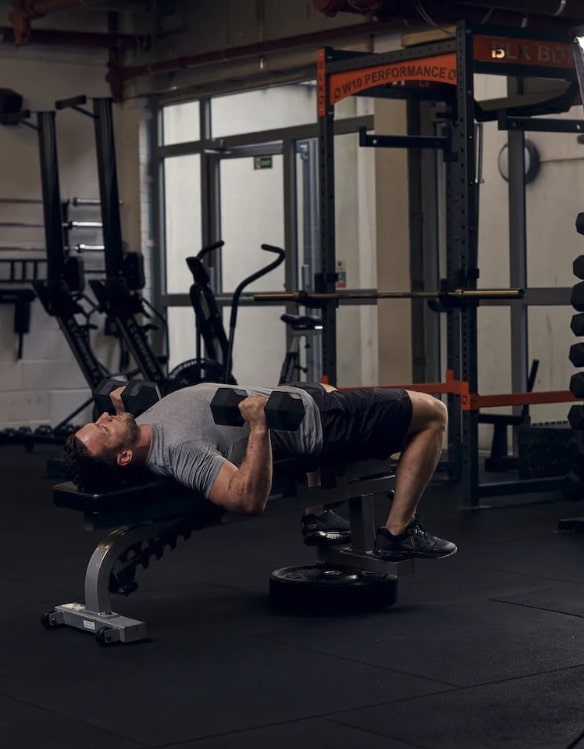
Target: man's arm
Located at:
point(246, 489)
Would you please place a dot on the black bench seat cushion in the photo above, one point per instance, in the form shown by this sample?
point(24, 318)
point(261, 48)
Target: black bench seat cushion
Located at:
point(126, 495)
point(155, 491)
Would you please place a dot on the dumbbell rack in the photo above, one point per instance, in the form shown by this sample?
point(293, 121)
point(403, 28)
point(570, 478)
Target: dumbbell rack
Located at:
point(573, 484)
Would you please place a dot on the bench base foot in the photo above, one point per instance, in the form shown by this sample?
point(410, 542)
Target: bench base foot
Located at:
point(107, 627)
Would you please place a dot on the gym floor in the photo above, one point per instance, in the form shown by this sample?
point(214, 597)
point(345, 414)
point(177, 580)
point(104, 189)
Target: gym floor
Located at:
point(485, 649)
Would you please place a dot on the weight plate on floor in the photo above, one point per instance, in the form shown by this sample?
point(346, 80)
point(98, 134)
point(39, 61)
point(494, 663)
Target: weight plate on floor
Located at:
point(322, 588)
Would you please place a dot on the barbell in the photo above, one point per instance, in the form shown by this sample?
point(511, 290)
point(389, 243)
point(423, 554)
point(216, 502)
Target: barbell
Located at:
point(448, 297)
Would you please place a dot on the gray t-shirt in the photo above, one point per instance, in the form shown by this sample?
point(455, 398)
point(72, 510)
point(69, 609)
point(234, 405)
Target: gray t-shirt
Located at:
point(188, 446)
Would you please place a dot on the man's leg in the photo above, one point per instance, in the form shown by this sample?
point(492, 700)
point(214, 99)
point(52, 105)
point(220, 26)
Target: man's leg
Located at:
point(403, 536)
point(418, 459)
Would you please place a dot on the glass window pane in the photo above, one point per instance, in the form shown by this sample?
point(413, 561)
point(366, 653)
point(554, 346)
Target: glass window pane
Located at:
point(182, 203)
point(180, 123)
point(259, 345)
point(252, 213)
point(181, 335)
point(264, 109)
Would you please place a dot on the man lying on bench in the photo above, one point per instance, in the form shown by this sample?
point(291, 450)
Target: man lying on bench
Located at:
point(179, 437)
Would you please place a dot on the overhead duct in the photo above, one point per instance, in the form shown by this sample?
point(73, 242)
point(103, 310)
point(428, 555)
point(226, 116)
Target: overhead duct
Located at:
point(23, 12)
point(560, 14)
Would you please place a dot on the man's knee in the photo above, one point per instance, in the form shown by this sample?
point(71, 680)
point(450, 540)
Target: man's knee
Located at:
point(427, 412)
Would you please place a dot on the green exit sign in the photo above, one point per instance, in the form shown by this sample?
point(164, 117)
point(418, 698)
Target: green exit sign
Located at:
point(262, 162)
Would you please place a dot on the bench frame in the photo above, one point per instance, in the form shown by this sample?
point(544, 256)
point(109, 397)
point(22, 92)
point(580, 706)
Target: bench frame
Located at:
point(150, 517)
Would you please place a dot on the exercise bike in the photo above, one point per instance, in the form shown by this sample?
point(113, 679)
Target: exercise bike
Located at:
point(214, 358)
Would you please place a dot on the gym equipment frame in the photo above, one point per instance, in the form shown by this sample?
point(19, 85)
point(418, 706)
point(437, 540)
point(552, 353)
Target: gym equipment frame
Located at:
point(443, 71)
point(150, 517)
point(118, 294)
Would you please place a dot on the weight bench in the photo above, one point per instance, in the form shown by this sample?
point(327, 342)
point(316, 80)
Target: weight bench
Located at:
point(151, 517)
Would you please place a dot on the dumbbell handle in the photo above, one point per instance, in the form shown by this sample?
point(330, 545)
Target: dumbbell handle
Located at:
point(283, 410)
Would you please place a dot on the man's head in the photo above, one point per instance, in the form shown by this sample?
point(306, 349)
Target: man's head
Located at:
point(95, 454)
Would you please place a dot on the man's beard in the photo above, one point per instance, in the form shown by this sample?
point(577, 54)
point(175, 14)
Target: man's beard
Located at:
point(132, 430)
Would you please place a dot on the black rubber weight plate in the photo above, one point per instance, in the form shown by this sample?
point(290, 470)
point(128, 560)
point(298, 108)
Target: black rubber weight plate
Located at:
point(321, 589)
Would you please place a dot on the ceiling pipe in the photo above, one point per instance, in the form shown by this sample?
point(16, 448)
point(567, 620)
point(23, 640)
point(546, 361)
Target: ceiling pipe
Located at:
point(231, 54)
point(332, 7)
point(92, 39)
point(23, 13)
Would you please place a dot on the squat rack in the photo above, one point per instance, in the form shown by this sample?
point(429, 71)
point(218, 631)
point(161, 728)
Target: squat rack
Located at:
point(443, 72)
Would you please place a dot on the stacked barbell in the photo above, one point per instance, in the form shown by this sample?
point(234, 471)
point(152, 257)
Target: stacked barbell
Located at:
point(574, 481)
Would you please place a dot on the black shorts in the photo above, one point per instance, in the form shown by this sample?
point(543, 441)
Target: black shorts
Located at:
point(361, 424)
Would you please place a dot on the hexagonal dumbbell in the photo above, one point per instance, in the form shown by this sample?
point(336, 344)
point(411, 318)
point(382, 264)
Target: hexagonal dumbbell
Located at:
point(580, 223)
point(576, 417)
point(578, 267)
point(576, 355)
point(577, 385)
point(137, 397)
point(225, 407)
point(577, 297)
point(577, 324)
point(284, 411)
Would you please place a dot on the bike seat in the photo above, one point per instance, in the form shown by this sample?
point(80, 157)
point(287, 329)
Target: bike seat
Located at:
point(301, 322)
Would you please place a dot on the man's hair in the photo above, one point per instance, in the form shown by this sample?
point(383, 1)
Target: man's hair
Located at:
point(90, 473)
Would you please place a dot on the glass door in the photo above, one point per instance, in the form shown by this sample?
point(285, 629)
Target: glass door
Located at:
point(251, 213)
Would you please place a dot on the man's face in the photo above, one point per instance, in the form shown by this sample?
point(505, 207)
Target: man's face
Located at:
point(113, 433)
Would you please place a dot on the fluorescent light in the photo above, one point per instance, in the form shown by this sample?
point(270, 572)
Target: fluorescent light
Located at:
point(578, 50)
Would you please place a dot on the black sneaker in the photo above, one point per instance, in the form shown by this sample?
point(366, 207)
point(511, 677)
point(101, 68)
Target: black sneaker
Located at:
point(415, 541)
point(328, 529)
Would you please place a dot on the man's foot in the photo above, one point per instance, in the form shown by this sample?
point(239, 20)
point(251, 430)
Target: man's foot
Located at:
point(328, 529)
point(415, 541)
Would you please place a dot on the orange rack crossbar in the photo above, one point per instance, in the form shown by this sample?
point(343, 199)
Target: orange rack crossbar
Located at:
point(449, 387)
point(473, 401)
